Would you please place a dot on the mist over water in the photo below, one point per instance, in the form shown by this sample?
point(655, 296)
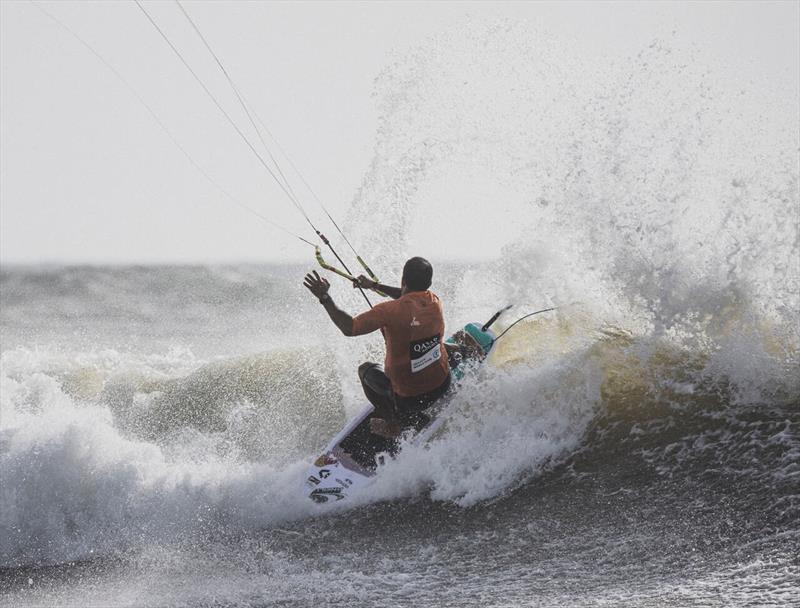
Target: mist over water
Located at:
point(637, 447)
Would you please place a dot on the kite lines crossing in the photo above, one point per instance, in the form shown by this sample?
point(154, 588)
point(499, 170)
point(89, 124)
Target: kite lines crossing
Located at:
point(267, 159)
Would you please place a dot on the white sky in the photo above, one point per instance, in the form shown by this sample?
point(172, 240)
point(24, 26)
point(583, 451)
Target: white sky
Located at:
point(87, 176)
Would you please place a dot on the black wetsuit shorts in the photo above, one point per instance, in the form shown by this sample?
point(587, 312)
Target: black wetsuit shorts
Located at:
point(409, 411)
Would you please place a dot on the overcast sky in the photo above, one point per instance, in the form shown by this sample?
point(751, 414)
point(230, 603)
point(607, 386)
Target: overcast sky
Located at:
point(86, 174)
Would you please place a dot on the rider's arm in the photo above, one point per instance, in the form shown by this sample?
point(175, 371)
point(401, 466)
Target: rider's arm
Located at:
point(367, 322)
point(366, 283)
point(340, 318)
point(319, 287)
point(392, 292)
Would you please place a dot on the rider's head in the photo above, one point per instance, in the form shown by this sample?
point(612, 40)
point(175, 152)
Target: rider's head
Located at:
point(417, 275)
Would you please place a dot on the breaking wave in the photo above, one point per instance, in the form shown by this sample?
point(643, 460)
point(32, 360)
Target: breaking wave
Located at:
point(102, 452)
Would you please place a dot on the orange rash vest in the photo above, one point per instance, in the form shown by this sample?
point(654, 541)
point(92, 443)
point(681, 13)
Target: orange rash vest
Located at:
point(416, 360)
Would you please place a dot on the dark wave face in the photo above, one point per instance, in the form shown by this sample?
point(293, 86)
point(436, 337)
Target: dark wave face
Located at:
point(638, 446)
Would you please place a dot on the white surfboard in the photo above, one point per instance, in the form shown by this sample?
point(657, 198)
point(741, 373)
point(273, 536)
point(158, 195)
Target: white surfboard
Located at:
point(351, 460)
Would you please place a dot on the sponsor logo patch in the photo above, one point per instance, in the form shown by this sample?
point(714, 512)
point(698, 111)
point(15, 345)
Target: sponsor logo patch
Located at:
point(425, 352)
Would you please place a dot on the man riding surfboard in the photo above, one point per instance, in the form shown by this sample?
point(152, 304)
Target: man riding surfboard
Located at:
point(416, 371)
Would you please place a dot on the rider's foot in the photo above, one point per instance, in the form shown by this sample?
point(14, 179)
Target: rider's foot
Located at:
point(384, 428)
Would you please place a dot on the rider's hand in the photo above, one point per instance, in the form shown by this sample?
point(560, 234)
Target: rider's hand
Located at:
point(364, 283)
point(316, 284)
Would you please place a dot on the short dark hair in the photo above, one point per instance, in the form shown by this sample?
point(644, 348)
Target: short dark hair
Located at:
point(417, 274)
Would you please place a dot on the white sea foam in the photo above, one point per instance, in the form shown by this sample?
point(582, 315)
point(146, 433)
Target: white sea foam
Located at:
point(73, 485)
point(500, 431)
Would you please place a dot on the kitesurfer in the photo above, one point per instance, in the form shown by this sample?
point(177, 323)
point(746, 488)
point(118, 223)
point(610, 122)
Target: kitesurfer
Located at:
point(416, 371)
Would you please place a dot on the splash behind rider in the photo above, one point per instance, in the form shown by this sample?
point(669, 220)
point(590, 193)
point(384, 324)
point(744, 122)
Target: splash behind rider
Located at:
point(416, 369)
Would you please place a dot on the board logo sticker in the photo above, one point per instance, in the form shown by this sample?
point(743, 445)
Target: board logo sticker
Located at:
point(313, 480)
point(425, 352)
point(325, 460)
point(324, 494)
point(324, 473)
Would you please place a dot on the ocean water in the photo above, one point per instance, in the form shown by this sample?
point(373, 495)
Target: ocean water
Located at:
point(637, 447)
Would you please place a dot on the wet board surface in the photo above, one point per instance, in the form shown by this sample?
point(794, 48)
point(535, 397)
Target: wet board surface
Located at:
point(351, 459)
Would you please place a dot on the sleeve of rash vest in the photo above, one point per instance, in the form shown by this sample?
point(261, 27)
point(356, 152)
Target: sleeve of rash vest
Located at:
point(373, 319)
